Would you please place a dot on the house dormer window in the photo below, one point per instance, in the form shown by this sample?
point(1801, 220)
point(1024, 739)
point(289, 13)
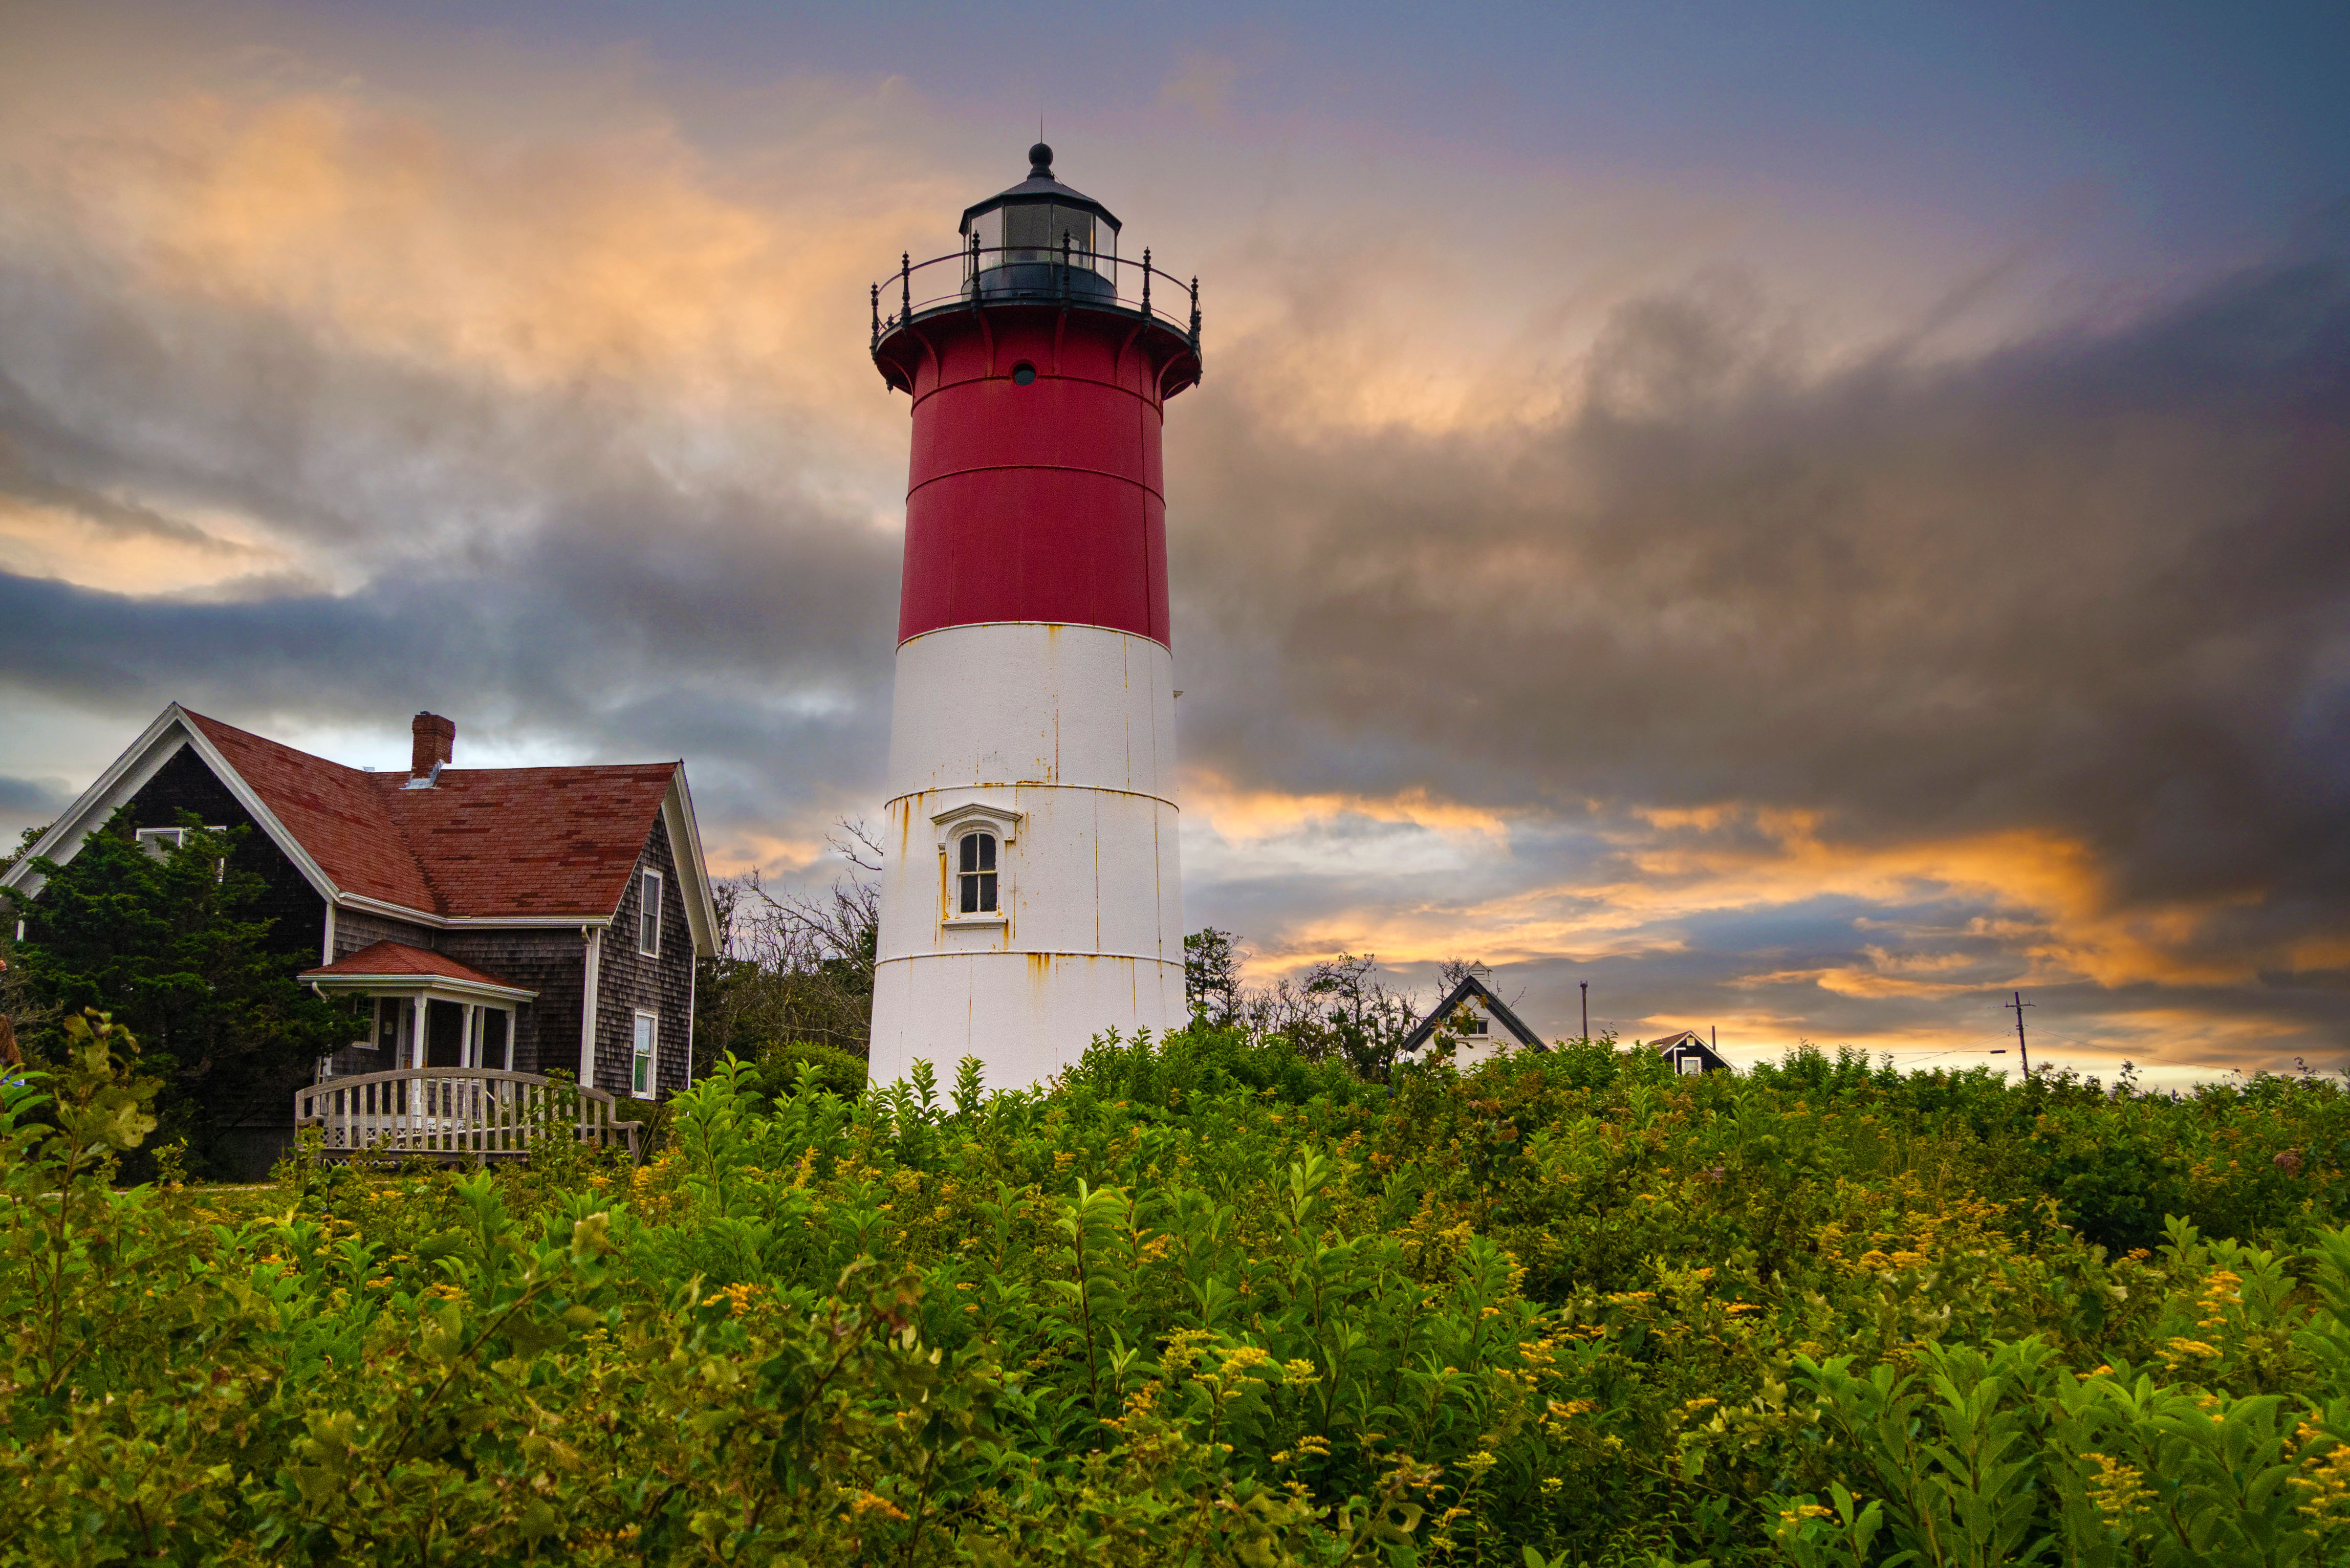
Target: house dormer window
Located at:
point(975, 873)
point(649, 890)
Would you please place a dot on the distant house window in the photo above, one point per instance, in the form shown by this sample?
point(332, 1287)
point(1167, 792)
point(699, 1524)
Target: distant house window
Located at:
point(641, 1066)
point(1475, 1024)
point(1691, 1063)
point(648, 913)
point(975, 874)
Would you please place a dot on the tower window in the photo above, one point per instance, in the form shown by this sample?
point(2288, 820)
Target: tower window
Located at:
point(975, 874)
point(1024, 374)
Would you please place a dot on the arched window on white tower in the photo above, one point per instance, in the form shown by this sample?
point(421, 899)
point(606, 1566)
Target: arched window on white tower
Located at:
point(975, 873)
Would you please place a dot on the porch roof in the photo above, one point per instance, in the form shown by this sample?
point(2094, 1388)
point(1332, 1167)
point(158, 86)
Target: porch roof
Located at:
point(385, 964)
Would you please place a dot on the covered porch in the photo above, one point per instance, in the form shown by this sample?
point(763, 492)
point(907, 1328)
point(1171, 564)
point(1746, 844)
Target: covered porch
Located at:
point(423, 1008)
point(440, 1035)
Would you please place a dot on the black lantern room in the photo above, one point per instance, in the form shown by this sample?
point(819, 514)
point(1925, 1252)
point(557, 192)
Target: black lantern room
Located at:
point(1040, 237)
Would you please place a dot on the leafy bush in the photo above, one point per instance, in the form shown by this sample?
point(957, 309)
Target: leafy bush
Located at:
point(1205, 1302)
point(837, 1072)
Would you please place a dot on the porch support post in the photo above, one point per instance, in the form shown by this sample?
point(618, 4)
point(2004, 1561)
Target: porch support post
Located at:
point(590, 990)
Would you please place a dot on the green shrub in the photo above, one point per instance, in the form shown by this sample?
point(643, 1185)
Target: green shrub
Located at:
point(1200, 1302)
point(837, 1072)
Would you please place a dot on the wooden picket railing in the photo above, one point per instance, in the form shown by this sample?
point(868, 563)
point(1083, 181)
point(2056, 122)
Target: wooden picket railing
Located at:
point(473, 1114)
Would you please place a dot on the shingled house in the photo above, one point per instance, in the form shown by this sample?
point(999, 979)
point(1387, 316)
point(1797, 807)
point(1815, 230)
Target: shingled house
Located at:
point(531, 919)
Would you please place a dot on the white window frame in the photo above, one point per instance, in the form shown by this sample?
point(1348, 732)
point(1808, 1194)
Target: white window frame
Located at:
point(977, 881)
point(953, 824)
point(648, 897)
point(160, 841)
point(646, 1029)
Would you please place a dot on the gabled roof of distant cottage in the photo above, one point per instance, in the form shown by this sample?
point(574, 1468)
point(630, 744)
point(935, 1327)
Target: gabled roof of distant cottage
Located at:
point(461, 846)
point(1689, 1042)
point(1495, 1009)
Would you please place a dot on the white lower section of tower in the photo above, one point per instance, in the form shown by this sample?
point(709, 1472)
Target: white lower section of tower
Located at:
point(1060, 741)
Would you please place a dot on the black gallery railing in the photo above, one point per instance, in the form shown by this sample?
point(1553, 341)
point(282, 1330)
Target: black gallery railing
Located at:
point(1031, 275)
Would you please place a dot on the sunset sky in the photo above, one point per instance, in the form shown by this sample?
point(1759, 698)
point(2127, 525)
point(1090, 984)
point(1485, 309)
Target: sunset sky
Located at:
point(1807, 518)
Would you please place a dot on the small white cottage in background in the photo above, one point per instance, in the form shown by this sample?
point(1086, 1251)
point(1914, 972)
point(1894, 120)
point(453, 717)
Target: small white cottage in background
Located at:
point(1482, 1023)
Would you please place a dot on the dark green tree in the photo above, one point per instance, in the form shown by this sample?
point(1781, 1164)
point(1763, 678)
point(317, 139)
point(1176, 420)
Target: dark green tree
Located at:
point(171, 946)
point(1212, 976)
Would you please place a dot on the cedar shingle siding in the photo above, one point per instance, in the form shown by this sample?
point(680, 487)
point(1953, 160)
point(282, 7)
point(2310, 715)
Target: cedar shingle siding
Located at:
point(663, 985)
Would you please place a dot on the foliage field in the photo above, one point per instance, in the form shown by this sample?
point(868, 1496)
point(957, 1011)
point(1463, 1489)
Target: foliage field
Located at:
point(1206, 1302)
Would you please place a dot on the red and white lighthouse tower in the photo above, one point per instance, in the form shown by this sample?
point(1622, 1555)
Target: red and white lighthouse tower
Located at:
point(1032, 897)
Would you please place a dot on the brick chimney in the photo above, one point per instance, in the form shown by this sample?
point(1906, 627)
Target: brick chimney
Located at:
point(436, 742)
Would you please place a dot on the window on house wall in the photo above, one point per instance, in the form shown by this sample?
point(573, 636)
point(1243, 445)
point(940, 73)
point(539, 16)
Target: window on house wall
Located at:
point(387, 1027)
point(640, 1065)
point(648, 912)
point(160, 841)
point(975, 874)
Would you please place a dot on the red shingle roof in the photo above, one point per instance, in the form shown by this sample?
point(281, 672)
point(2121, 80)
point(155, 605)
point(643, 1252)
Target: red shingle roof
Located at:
point(484, 842)
point(385, 961)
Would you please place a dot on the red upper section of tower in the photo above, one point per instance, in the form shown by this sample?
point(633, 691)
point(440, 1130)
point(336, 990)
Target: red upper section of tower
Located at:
point(1036, 492)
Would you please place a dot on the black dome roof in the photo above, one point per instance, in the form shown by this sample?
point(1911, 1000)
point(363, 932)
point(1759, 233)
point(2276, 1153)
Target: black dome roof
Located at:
point(1040, 186)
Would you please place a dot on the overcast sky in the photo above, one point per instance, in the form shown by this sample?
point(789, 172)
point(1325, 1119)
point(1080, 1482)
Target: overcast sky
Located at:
point(1808, 519)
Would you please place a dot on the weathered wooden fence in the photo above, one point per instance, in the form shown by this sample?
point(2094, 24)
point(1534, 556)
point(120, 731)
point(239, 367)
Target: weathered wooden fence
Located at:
point(473, 1114)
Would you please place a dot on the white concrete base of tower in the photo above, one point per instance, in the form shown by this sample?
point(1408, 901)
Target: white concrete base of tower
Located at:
point(1024, 1015)
point(1060, 741)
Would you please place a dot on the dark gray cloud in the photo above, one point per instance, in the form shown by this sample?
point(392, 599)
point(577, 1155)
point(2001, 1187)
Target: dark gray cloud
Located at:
point(539, 561)
point(2093, 585)
point(35, 800)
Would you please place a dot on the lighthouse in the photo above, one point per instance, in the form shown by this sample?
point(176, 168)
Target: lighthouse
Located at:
point(1031, 895)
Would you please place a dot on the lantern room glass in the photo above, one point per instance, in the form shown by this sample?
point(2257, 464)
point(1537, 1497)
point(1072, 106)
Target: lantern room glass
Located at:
point(1029, 235)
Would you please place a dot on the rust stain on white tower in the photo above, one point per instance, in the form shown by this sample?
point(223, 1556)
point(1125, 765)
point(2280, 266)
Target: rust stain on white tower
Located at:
point(1032, 897)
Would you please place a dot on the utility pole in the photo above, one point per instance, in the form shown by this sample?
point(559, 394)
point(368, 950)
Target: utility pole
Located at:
point(2017, 1007)
point(1587, 1012)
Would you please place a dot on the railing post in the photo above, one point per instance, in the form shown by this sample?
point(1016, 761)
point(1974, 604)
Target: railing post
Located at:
point(877, 316)
point(1195, 312)
point(1146, 281)
point(905, 286)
